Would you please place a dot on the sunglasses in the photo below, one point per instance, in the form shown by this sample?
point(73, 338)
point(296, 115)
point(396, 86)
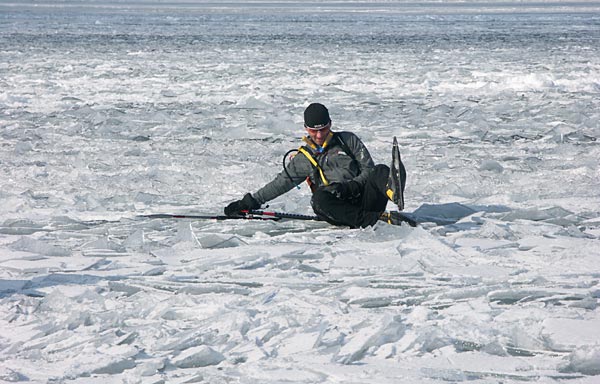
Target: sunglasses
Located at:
point(318, 127)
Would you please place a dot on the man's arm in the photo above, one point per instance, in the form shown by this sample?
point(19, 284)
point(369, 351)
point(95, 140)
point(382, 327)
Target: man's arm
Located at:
point(361, 154)
point(297, 170)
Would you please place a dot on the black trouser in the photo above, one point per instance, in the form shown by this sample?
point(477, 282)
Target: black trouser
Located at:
point(361, 212)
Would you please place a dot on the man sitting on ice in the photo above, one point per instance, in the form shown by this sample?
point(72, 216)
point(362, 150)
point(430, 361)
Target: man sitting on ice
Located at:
point(348, 188)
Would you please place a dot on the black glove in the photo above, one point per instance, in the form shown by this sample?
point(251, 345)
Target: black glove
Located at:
point(344, 191)
point(246, 204)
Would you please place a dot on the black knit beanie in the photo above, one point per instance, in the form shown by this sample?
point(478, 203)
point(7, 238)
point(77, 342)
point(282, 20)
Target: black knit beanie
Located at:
point(316, 116)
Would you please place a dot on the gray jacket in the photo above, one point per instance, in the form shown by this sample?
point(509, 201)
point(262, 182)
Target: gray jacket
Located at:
point(337, 166)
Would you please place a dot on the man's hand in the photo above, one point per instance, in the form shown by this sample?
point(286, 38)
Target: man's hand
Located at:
point(344, 191)
point(246, 204)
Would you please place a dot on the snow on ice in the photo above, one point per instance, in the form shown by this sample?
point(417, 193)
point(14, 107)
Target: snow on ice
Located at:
point(113, 110)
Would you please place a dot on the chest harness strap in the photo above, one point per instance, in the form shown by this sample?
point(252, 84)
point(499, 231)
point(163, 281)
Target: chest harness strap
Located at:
point(311, 148)
point(314, 163)
point(306, 151)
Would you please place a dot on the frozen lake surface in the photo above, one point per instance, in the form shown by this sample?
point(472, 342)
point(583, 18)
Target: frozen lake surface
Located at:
point(110, 110)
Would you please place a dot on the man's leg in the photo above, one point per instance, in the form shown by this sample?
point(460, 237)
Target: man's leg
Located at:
point(362, 213)
point(335, 211)
point(373, 197)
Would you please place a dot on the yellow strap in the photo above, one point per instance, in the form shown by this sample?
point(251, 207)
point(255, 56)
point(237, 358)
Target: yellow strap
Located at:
point(314, 163)
point(390, 194)
point(312, 144)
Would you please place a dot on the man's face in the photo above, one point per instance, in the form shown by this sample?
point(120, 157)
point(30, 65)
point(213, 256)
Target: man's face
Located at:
point(319, 136)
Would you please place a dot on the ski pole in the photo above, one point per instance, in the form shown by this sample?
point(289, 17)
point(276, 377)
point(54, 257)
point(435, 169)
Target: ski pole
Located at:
point(283, 215)
point(207, 217)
